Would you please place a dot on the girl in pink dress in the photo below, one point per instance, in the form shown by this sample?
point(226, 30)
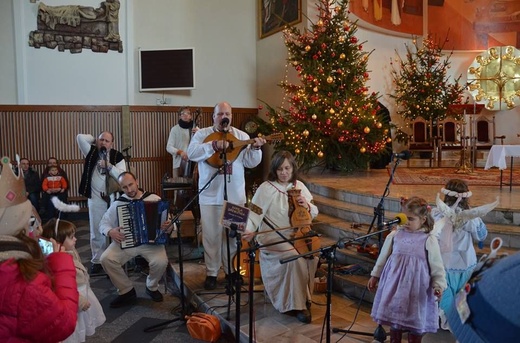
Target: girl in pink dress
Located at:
point(409, 276)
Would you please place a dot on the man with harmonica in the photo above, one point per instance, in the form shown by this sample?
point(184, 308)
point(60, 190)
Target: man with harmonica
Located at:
point(115, 257)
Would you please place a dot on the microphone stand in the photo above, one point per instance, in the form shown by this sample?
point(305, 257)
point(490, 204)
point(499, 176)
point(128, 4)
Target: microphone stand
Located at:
point(329, 253)
point(252, 255)
point(181, 269)
point(229, 290)
point(379, 210)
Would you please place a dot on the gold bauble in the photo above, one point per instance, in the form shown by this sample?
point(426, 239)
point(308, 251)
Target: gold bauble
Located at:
point(340, 123)
point(362, 149)
point(314, 117)
point(342, 56)
point(305, 133)
point(366, 129)
point(379, 125)
point(388, 140)
point(315, 89)
point(320, 22)
point(341, 39)
point(331, 111)
point(296, 151)
point(307, 48)
point(320, 154)
point(330, 79)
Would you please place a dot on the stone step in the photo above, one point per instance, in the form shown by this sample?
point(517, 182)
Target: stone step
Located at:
point(336, 211)
point(332, 199)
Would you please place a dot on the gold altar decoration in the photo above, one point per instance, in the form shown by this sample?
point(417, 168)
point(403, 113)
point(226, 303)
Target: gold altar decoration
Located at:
point(494, 78)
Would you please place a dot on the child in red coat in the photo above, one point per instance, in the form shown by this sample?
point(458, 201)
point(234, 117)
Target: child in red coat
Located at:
point(38, 294)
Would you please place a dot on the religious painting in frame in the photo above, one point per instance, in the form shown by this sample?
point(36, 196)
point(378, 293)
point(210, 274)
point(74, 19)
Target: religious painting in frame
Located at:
point(275, 15)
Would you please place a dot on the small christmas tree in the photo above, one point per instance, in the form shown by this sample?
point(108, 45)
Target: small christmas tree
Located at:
point(332, 119)
point(422, 86)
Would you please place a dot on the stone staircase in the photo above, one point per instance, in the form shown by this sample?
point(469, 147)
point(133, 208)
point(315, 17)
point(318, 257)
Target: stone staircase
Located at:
point(345, 216)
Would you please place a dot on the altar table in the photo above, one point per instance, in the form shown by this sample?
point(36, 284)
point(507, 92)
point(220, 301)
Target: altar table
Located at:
point(497, 158)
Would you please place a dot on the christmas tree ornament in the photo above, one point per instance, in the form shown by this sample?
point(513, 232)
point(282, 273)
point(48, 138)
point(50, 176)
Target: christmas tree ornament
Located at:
point(362, 149)
point(305, 133)
point(342, 56)
point(330, 79)
point(366, 129)
point(320, 154)
point(314, 117)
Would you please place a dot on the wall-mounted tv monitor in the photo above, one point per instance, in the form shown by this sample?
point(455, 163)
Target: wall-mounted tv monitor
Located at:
point(166, 69)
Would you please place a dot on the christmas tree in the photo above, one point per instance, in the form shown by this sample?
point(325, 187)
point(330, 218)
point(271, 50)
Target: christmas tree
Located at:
point(421, 84)
point(332, 119)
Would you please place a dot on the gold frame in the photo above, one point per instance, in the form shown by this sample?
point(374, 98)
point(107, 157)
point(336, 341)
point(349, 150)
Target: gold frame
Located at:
point(278, 21)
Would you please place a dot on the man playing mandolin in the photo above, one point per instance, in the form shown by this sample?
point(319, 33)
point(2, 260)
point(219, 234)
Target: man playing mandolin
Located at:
point(213, 149)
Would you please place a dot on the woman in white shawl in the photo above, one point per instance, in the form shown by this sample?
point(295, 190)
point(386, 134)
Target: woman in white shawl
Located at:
point(289, 285)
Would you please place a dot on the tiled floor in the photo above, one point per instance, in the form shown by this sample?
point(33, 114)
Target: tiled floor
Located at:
point(271, 326)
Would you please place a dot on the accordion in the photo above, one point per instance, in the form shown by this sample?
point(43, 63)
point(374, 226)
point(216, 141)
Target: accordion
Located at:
point(141, 222)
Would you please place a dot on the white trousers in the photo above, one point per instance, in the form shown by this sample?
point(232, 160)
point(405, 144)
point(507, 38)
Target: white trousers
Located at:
point(98, 242)
point(114, 258)
point(214, 241)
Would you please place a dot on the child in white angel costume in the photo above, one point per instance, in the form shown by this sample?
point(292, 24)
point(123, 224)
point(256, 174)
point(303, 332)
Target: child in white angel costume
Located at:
point(457, 226)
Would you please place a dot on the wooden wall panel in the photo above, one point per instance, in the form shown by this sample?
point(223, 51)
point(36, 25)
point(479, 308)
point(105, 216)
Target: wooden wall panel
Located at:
point(39, 132)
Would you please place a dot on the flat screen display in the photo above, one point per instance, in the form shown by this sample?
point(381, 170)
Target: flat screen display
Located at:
point(166, 69)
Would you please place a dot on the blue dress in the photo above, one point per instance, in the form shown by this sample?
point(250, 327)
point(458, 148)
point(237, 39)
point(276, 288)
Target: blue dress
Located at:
point(404, 298)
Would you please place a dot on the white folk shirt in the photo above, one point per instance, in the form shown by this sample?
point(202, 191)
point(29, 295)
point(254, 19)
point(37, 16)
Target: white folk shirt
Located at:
point(199, 151)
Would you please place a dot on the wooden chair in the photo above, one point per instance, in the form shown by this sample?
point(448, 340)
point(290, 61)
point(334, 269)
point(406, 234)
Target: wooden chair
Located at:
point(484, 135)
point(449, 136)
point(421, 140)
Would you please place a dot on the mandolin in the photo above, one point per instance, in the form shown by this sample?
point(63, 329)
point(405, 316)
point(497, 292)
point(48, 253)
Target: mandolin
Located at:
point(234, 148)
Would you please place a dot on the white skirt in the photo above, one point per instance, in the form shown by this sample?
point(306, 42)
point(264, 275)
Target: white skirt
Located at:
point(88, 320)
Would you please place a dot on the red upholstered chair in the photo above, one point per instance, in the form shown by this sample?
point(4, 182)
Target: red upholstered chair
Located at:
point(421, 140)
point(485, 135)
point(449, 136)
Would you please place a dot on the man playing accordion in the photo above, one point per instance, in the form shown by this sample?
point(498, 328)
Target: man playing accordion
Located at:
point(115, 256)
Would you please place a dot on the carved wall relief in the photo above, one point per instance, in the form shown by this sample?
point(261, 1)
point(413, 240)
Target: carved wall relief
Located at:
point(75, 27)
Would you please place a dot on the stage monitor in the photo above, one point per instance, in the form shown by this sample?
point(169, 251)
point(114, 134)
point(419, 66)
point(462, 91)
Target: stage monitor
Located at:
point(166, 69)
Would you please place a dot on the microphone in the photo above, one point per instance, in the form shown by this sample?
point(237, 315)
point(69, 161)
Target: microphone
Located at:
point(400, 218)
point(224, 123)
point(127, 148)
point(104, 156)
point(404, 155)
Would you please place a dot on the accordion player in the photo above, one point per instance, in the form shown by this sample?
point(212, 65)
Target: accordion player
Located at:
point(141, 222)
